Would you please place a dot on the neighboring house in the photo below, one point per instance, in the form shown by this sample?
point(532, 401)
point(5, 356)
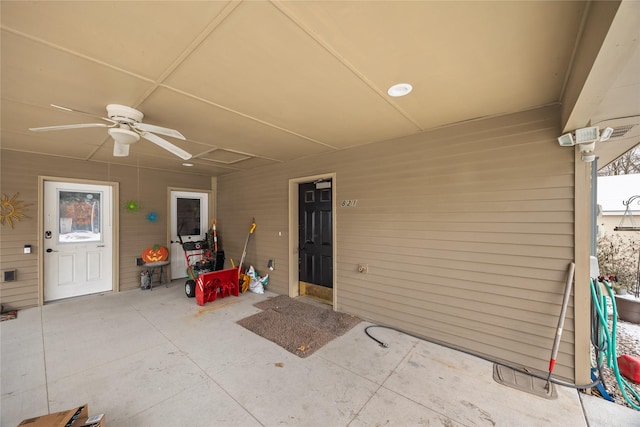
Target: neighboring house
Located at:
point(613, 192)
point(460, 201)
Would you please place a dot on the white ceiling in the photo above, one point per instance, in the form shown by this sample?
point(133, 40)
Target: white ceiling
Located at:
point(255, 83)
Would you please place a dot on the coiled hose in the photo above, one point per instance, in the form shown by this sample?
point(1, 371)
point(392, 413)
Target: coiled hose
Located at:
point(604, 340)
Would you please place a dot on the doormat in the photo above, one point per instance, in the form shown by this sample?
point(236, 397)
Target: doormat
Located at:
point(8, 315)
point(523, 382)
point(298, 327)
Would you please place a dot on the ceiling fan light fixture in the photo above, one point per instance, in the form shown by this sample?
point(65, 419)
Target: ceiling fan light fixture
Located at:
point(400, 89)
point(123, 136)
point(120, 150)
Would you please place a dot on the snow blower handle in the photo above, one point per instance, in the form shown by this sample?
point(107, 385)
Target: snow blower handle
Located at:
point(215, 236)
point(179, 236)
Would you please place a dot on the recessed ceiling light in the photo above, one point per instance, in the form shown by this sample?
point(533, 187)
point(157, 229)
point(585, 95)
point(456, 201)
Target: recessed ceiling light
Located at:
point(401, 89)
point(187, 164)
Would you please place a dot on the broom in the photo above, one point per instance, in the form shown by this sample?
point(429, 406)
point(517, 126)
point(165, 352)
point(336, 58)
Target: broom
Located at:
point(563, 312)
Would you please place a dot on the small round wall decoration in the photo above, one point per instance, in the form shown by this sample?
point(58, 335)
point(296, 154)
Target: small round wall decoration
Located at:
point(132, 206)
point(152, 216)
point(11, 209)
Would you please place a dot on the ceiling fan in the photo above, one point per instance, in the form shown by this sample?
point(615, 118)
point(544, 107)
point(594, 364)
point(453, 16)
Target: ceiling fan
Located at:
point(125, 127)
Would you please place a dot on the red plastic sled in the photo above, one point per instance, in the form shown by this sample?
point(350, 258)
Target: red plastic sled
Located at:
point(214, 284)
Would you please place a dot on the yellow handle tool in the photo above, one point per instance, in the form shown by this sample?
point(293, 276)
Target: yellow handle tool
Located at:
point(246, 244)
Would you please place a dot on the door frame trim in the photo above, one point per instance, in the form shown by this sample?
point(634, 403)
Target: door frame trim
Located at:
point(294, 277)
point(211, 205)
point(115, 229)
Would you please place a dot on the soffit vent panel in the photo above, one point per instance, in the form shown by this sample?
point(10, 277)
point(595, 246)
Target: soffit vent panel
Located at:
point(620, 131)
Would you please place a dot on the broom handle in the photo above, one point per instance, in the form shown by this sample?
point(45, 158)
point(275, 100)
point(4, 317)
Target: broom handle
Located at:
point(563, 312)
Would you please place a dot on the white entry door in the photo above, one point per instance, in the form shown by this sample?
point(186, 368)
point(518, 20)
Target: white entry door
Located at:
point(189, 219)
point(78, 239)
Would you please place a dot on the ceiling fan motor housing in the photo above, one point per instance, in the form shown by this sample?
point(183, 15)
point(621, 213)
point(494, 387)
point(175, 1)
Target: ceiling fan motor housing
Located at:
point(124, 114)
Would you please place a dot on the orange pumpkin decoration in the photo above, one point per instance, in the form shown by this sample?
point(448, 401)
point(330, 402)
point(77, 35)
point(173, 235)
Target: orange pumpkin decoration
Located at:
point(156, 253)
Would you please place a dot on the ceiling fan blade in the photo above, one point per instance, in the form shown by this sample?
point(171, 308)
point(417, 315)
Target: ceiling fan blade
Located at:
point(60, 107)
point(63, 127)
point(145, 127)
point(120, 150)
point(166, 145)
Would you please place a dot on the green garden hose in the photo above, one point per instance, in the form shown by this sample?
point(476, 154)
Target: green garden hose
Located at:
point(609, 341)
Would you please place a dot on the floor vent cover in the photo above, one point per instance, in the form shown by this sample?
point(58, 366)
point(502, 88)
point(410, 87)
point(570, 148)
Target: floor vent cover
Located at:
point(521, 381)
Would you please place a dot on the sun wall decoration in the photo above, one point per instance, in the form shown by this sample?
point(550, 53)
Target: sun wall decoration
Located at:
point(11, 209)
point(132, 206)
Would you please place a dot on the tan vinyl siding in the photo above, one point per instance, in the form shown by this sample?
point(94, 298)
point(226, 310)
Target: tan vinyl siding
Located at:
point(467, 230)
point(20, 172)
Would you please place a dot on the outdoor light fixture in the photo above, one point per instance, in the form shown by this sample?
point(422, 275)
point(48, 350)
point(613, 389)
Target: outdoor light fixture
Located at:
point(566, 140)
point(606, 134)
point(586, 139)
point(587, 135)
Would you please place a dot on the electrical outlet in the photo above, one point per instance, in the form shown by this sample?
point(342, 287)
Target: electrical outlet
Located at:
point(139, 262)
point(363, 268)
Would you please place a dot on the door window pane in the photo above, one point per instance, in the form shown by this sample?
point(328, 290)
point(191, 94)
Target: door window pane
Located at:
point(309, 196)
point(188, 214)
point(80, 216)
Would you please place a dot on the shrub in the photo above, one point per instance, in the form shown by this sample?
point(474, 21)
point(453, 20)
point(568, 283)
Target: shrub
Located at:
point(618, 256)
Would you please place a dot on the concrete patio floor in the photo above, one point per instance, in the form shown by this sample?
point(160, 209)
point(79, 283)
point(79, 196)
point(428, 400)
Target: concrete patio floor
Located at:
point(156, 358)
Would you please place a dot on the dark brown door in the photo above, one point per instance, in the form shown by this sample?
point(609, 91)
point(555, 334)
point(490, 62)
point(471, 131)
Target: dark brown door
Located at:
point(316, 233)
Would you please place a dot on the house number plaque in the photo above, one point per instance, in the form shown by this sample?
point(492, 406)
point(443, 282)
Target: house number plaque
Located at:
point(348, 203)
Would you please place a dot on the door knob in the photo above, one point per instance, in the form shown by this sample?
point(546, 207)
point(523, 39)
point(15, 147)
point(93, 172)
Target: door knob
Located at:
point(51, 250)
